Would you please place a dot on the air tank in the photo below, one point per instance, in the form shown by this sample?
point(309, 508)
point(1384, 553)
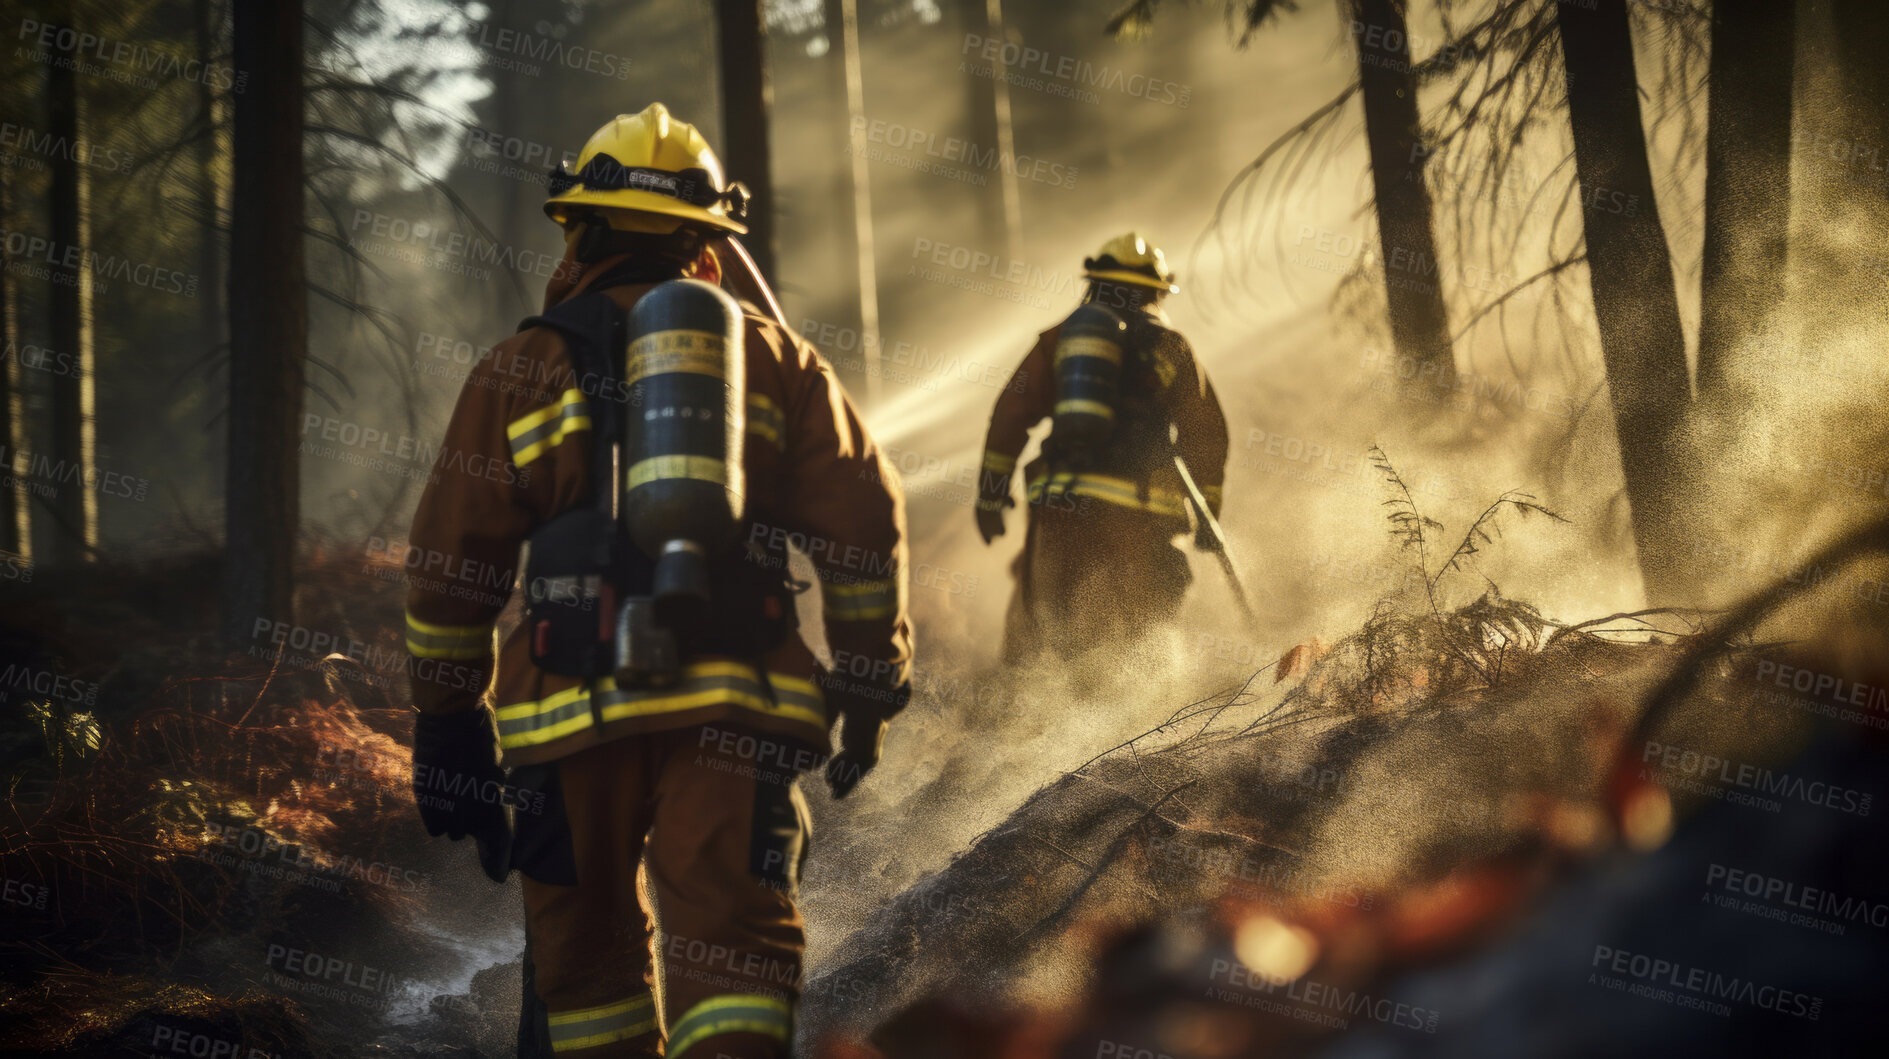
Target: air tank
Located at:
point(1088, 367)
point(682, 480)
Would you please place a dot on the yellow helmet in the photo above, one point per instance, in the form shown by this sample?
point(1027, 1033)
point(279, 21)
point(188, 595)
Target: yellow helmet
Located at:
point(654, 163)
point(1131, 259)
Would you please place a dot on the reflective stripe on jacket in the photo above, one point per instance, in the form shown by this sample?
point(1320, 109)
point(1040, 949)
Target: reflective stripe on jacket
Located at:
point(516, 453)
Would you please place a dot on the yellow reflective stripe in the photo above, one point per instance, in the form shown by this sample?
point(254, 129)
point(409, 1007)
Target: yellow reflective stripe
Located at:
point(1001, 463)
point(425, 640)
point(864, 601)
point(604, 1024)
point(1118, 491)
point(565, 1018)
point(657, 468)
point(767, 420)
point(680, 350)
point(1088, 346)
point(534, 434)
point(732, 1013)
point(705, 683)
point(1085, 407)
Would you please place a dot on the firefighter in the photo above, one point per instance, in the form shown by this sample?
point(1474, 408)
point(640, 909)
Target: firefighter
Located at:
point(1099, 564)
point(688, 775)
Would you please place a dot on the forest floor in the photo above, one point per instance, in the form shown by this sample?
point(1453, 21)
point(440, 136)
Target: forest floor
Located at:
point(205, 846)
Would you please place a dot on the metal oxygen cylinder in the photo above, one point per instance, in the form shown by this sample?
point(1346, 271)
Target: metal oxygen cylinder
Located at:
point(683, 491)
point(1088, 366)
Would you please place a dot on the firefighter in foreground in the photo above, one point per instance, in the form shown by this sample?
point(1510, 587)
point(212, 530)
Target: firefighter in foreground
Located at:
point(1107, 495)
point(656, 703)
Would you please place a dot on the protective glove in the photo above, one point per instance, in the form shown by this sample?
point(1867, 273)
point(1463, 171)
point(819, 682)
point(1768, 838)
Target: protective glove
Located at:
point(861, 736)
point(458, 784)
point(990, 517)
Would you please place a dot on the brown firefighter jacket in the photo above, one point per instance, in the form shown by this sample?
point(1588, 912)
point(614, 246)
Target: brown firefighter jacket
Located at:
point(1170, 384)
point(516, 454)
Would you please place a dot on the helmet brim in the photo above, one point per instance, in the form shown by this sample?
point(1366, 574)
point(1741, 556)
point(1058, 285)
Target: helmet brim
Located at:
point(647, 201)
point(1139, 279)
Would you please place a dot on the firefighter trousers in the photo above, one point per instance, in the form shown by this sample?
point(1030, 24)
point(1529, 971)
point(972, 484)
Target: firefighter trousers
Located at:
point(1092, 575)
point(710, 815)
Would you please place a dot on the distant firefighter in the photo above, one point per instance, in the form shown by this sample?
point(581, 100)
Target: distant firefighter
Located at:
point(1099, 564)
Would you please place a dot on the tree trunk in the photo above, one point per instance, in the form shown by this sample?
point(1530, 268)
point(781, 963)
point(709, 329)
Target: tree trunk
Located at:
point(70, 468)
point(508, 92)
point(1412, 283)
point(991, 130)
point(268, 319)
point(842, 30)
point(746, 95)
point(16, 527)
point(1747, 177)
point(209, 186)
point(1630, 271)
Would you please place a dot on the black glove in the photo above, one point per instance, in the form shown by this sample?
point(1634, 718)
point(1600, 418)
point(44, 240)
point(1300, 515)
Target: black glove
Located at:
point(458, 784)
point(863, 733)
point(990, 517)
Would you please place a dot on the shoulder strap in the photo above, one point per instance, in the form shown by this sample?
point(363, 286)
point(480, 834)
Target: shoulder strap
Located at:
point(593, 328)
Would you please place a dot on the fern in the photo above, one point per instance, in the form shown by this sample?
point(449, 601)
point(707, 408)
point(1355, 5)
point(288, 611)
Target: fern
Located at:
point(1479, 635)
point(1485, 529)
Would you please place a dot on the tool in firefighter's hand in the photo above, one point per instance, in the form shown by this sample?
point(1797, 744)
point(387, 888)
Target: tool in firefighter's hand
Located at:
point(1210, 537)
point(990, 516)
point(682, 444)
point(458, 784)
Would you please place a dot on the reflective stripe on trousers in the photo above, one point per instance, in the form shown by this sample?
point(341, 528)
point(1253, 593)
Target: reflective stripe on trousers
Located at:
point(604, 1024)
point(732, 1013)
